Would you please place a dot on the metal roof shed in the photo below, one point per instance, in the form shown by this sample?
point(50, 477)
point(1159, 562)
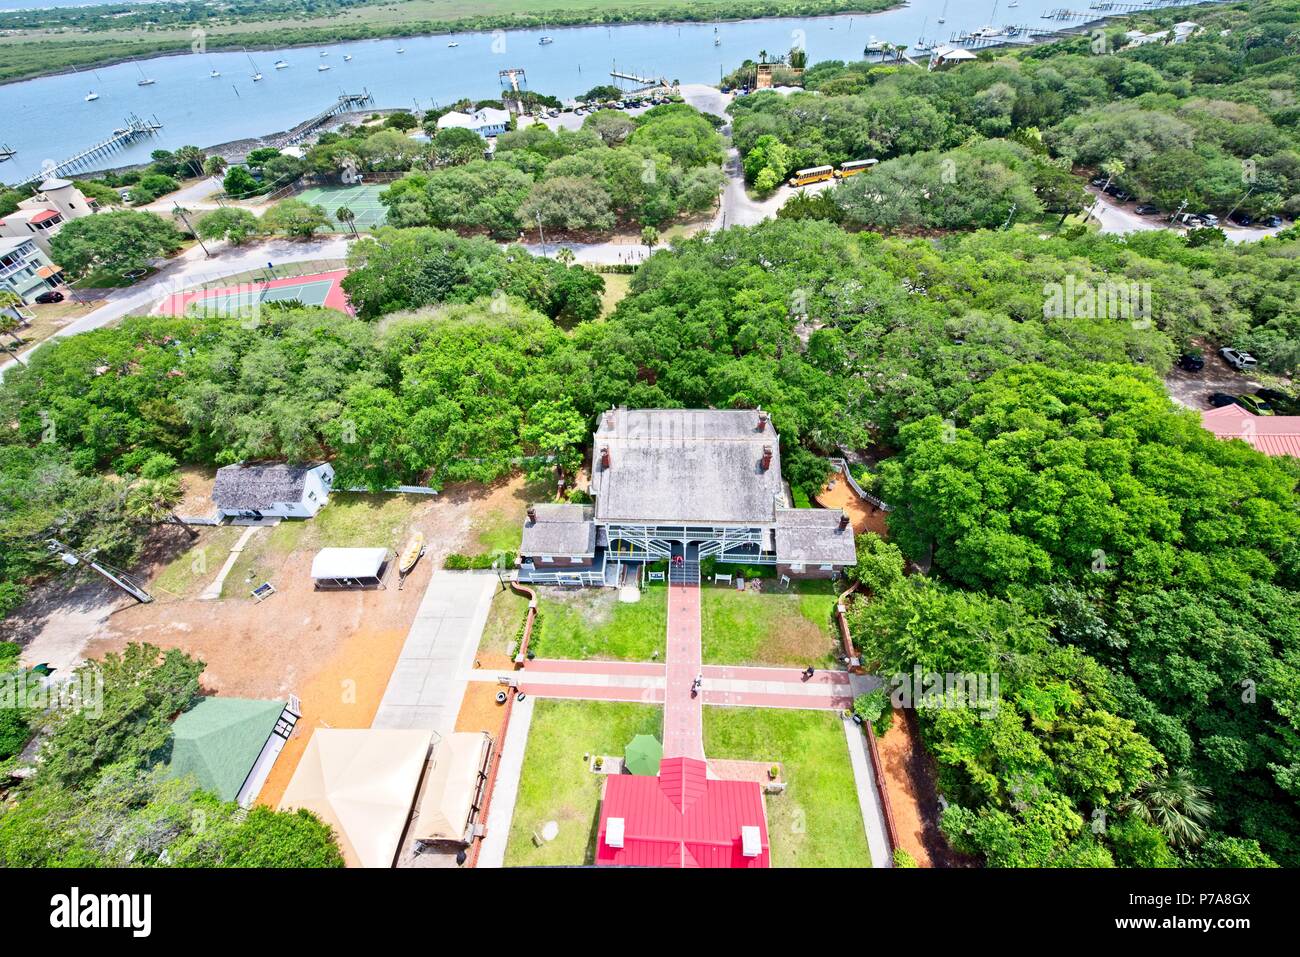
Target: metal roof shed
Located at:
point(349, 567)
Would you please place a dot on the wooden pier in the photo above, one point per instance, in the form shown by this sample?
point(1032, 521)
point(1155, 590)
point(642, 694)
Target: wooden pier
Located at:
point(346, 103)
point(134, 128)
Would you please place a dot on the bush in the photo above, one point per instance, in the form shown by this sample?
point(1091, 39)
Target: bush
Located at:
point(458, 562)
point(874, 709)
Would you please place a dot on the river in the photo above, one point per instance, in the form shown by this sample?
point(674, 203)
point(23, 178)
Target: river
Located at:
point(48, 118)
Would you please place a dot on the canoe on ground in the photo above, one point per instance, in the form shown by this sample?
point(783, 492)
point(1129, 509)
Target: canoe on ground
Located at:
point(411, 552)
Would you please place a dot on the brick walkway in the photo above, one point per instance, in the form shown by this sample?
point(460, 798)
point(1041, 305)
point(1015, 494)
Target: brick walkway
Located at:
point(683, 714)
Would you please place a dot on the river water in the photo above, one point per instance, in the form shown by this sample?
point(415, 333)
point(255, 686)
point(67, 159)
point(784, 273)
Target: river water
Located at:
point(49, 119)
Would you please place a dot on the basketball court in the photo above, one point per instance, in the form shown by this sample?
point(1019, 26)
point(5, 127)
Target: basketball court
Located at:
point(244, 299)
point(362, 200)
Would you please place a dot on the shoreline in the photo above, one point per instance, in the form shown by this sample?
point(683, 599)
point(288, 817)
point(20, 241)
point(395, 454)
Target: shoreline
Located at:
point(328, 36)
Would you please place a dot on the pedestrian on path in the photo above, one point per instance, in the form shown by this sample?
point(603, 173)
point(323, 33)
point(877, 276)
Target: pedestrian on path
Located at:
point(808, 673)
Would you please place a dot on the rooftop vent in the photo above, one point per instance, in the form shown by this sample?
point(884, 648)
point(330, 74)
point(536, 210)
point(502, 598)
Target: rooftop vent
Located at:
point(767, 457)
point(532, 514)
point(609, 419)
point(604, 456)
point(751, 840)
point(614, 832)
point(844, 519)
point(762, 421)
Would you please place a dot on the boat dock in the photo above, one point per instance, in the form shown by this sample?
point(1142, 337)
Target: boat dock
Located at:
point(346, 103)
point(134, 128)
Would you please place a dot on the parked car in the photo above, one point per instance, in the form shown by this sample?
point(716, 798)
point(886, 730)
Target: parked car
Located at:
point(52, 295)
point(1253, 403)
point(1099, 182)
point(1190, 220)
point(1146, 209)
point(1209, 219)
point(1192, 361)
point(1220, 399)
point(1241, 361)
point(1122, 195)
point(1241, 219)
point(1272, 222)
point(1280, 402)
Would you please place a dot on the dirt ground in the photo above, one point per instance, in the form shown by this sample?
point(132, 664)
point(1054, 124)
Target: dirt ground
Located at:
point(837, 493)
point(913, 796)
point(1192, 389)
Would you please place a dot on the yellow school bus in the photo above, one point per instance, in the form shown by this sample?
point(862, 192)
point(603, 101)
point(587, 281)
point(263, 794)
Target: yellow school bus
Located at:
point(813, 174)
point(854, 167)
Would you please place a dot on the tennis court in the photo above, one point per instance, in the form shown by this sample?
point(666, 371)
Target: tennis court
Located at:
point(244, 299)
point(362, 200)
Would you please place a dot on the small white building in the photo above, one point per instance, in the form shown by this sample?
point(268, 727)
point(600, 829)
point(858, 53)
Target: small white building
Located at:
point(272, 491)
point(485, 121)
point(41, 216)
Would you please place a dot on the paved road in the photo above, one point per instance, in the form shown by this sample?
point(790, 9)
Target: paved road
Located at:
point(1116, 217)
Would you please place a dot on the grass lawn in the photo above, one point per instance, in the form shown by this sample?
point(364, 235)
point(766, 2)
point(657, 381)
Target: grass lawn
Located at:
point(593, 623)
point(503, 621)
point(769, 628)
point(616, 287)
point(817, 821)
point(555, 784)
point(500, 526)
point(190, 573)
point(107, 279)
point(350, 520)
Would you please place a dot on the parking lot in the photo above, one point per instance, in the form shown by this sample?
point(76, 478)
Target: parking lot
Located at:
point(1193, 389)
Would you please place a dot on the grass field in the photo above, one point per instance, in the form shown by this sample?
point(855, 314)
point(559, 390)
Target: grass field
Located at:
point(817, 821)
point(593, 623)
point(616, 287)
point(769, 628)
point(362, 200)
point(556, 785)
point(350, 520)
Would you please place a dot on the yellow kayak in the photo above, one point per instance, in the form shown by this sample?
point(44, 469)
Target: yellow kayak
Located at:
point(411, 552)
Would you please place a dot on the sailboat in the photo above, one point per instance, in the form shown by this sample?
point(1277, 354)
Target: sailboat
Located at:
point(544, 40)
point(453, 43)
point(401, 49)
point(92, 96)
point(922, 44)
point(257, 74)
point(144, 80)
point(322, 67)
point(943, 14)
point(280, 64)
point(214, 73)
point(717, 40)
point(347, 57)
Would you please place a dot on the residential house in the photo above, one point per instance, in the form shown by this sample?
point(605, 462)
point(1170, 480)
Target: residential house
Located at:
point(1270, 434)
point(259, 491)
point(684, 484)
point(25, 269)
point(42, 215)
point(486, 121)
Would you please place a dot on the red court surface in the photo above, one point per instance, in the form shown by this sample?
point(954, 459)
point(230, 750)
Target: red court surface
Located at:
point(320, 289)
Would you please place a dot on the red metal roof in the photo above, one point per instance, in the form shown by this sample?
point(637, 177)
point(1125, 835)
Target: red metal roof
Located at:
point(44, 214)
point(681, 819)
point(1271, 434)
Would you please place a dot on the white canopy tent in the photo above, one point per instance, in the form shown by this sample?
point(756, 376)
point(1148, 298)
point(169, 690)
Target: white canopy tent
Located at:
point(453, 788)
point(362, 782)
point(349, 567)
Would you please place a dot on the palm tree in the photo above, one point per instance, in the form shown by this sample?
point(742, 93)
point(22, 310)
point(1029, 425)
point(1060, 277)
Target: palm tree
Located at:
point(650, 237)
point(1175, 804)
point(345, 215)
point(564, 255)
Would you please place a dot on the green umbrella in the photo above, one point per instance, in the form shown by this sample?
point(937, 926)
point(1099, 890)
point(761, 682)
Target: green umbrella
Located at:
point(643, 754)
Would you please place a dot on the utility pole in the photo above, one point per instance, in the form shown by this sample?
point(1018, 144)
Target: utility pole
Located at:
point(183, 216)
point(119, 578)
point(1179, 211)
point(1239, 202)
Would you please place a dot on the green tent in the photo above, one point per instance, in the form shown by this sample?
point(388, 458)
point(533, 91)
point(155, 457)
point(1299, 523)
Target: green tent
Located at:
point(218, 740)
point(643, 754)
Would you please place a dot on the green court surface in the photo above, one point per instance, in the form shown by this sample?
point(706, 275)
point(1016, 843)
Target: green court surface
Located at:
point(362, 200)
point(240, 300)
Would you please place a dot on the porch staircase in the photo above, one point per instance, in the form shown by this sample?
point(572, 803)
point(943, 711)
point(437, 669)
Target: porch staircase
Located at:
point(686, 572)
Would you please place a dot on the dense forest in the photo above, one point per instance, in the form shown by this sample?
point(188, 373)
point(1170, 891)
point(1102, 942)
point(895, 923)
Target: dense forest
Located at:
point(1212, 121)
point(1058, 521)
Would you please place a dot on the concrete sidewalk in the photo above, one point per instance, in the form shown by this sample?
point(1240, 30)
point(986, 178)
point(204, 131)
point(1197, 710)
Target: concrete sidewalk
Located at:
point(429, 680)
point(873, 813)
point(501, 812)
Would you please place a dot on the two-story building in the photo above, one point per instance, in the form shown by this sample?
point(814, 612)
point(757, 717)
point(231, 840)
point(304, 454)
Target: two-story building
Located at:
point(683, 484)
point(25, 269)
point(486, 121)
point(41, 216)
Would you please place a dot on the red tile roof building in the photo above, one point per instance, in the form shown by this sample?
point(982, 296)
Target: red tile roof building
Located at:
point(1271, 434)
point(682, 819)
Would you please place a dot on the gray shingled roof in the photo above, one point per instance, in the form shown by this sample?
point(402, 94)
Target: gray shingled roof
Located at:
point(686, 466)
point(559, 530)
point(259, 486)
point(813, 536)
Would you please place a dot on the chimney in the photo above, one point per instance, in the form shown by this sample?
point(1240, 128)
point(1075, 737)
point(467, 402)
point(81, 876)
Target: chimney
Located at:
point(609, 419)
point(532, 514)
point(844, 520)
point(762, 421)
point(604, 456)
point(767, 457)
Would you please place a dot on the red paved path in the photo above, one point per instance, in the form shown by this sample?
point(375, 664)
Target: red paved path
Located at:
point(683, 718)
